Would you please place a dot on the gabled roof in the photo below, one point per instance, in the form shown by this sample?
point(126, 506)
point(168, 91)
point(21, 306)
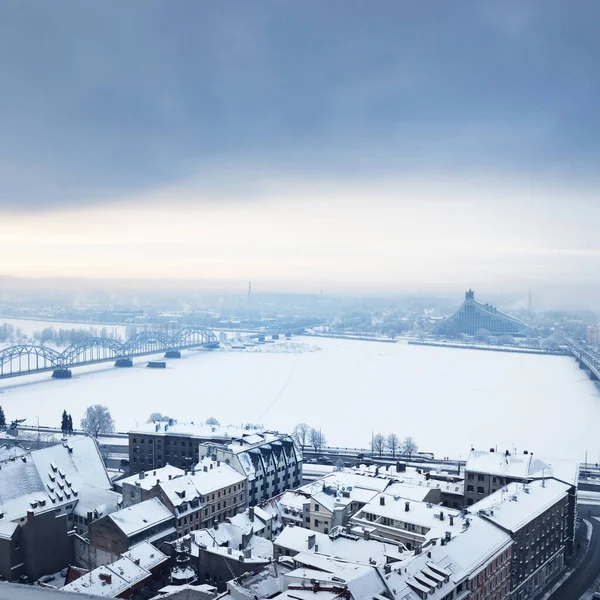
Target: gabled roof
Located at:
point(142, 516)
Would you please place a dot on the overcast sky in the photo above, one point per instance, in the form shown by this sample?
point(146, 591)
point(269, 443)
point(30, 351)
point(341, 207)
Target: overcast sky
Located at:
point(373, 146)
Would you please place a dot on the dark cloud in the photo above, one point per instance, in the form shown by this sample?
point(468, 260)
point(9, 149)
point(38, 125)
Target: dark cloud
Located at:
point(105, 98)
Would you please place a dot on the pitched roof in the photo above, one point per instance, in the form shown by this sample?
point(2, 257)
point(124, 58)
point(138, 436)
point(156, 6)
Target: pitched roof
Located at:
point(142, 516)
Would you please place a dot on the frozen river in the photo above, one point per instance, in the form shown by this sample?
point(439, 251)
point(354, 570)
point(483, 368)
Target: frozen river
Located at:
point(447, 399)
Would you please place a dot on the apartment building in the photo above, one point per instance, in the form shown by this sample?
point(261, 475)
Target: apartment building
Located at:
point(270, 461)
point(405, 522)
point(155, 445)
point(488, 472)
point(210, 493)
point(536, 516)
point(473, 565)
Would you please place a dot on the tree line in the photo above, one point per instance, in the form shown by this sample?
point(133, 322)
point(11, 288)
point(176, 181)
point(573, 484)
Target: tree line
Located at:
point(306, 436)
point(380, 443)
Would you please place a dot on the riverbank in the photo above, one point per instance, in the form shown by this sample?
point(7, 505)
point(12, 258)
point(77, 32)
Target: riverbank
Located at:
point(488, 347)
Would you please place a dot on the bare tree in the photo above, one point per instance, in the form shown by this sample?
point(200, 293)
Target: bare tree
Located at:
point(97, 420)
point(317, 439)
point(156, 416)
point(378, 443)
point(212, 421)
point(301, 435)
point(393, 443)
point(409, 446)
point(339, 465)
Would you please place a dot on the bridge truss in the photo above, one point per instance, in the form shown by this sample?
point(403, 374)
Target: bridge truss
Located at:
point(24, 359)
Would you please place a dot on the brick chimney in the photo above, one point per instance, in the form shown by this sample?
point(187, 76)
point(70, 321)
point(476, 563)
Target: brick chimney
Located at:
point(251, 513)
point(30, 515)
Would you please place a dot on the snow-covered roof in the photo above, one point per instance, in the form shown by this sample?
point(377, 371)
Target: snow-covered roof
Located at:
point(419, 513)
point(471, 549)
point(56, 476)
point(227, 539)
point(362, 581)
point(148, 479)
point(515, 505)
point(341, 488)
point(410, 492)
point(338, 545)
point(80, 460)
point(142, 516)
point(262, 583)
point(109, 581)
point(216, 476)
point(256, 525)
point(145, 555)
point(463, 556)
point(516, 466)
point(197, 430)
point(185, 488)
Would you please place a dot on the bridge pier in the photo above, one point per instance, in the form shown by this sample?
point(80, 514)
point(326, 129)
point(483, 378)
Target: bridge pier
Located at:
point(123, 362)
point(62, 374)
point(173, 354)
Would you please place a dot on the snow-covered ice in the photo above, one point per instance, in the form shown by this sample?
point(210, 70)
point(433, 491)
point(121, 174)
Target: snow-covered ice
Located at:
point(447, 399)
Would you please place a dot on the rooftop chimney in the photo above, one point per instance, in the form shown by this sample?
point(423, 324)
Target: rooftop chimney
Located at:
point(311, 540)
point(382, 500)
point(407, 506)
point(451, 517)
point(106, 577)
point(30, 515)
point(251, 513)
point(142, 475)
point(447, 536)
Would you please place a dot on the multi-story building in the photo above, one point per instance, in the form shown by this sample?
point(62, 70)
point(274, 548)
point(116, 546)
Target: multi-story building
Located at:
point(46, 497)
point(473, 565)
point(474, 316)
point(212, 491)
point(488, 472)
point(536, 516)
point(224, 552)
point(114, 534)
point(140, 487)
point(158, 444)
point(412, 524)
point(270, 461)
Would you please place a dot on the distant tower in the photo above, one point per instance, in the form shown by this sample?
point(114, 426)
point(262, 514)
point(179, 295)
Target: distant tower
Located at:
point(249, 291)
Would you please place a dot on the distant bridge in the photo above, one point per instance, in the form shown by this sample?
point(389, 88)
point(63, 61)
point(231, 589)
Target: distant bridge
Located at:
point(587, 357)
point(26, 359)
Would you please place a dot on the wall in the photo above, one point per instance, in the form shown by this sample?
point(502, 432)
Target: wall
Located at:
point(47, 546)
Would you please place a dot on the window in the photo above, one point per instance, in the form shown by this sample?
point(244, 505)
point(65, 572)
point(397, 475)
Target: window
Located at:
point(317, 522)
point(470, 476)
point(316, 508)
point(470, 488)
point(480, 478)
point(479, 489)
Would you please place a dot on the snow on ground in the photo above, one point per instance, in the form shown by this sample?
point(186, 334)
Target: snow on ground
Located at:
point(447, 399)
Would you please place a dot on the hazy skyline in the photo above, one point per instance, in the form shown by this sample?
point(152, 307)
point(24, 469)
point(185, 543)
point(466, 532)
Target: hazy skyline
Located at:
point(364, 148)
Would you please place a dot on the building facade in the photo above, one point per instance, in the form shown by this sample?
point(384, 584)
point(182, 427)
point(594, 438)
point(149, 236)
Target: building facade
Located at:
point(474, 316)
point(536, 516)
point(270, 462)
